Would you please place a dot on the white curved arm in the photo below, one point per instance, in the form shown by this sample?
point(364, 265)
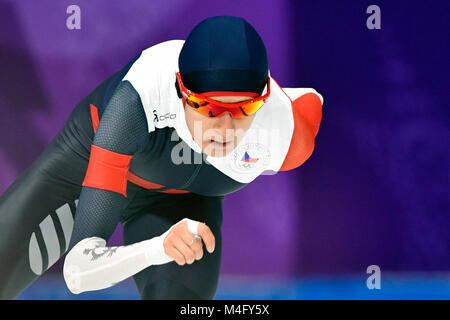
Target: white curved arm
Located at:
point(90, 265)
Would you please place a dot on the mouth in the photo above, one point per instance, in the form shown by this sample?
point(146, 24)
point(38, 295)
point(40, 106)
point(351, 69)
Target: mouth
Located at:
point(220, 144)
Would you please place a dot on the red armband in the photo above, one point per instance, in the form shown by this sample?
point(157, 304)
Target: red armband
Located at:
point(107, 170)
point(307, 112)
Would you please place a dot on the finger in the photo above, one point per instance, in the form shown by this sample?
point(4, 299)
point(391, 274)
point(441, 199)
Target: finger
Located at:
point(208, 238)
point(171, 251)
point(176, 255)
point(197, 247)
point(192, 226)
point(187, 252)
point(192, 242)
point(185, 234)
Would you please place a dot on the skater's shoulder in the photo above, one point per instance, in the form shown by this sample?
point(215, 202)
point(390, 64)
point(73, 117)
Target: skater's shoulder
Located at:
point(161, 55)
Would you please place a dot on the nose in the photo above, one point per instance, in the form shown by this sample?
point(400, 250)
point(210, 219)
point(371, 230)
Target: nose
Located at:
point(224, 122)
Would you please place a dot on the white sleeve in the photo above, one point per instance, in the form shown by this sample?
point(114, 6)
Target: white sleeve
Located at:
point(90, 265)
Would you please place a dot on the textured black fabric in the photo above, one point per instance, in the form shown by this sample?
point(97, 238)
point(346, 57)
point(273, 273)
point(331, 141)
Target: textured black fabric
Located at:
point(98, 214)
point(123, 125)
point(122, 129)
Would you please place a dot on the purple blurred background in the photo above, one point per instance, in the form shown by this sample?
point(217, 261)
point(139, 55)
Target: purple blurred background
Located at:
point(375, 190)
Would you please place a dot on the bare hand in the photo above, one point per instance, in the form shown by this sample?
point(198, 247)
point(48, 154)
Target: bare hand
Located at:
point(186, 246)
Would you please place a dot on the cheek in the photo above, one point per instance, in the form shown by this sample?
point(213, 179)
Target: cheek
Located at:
point(196, 122)
point(192, 117)
point(243, 124)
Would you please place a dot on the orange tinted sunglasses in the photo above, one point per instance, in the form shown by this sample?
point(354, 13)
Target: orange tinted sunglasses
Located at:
point(213, 108)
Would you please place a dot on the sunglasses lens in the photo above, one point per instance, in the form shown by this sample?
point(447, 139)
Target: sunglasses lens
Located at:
point(193, 104)
point(198, 102)
point(211, 110)
point(251, 108)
